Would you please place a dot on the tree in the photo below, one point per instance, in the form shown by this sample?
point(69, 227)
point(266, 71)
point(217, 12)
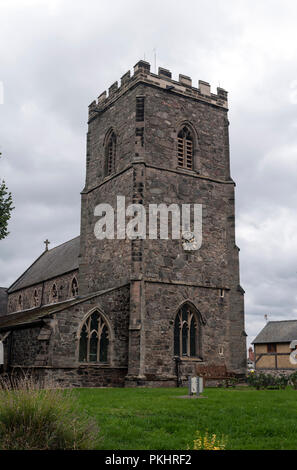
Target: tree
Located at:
point(6, 206)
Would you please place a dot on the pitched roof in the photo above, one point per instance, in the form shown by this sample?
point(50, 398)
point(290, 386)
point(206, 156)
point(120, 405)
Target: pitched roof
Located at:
point(3, 300)
point(277, 332)
point(27, 317)
point(52, 263)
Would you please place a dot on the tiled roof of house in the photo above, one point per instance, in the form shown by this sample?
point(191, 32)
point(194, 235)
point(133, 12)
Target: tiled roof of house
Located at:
point(52, 263)
point(277, 332)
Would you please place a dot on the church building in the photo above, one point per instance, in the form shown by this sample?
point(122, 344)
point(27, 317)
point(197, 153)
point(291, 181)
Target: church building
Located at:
point(139, 311)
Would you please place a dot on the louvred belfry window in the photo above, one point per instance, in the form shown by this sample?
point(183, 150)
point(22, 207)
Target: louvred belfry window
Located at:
point(185, 149)
point(94, 340)
point(186, 333)
point(111, 153)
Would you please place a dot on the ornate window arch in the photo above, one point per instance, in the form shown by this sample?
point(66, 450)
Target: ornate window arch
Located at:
point(187, 332)
point(74, 287)
point(110, 152)
point(94, 339)
point(185, 148)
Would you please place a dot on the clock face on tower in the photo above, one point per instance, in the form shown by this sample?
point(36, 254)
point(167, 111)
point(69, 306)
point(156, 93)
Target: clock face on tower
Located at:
point(189, 242)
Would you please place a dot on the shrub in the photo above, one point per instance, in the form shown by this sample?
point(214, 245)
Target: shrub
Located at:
point(49, 419)
point(207, 442)
point(267, 381)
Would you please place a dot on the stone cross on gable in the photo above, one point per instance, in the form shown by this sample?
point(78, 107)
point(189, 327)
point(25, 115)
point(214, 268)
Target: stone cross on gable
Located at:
point(46, 242)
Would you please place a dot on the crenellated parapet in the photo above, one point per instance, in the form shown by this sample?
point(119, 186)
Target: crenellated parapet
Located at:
point(164, 80)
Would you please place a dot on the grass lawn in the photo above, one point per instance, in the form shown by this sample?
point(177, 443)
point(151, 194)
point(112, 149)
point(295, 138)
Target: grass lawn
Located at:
point(155, 419)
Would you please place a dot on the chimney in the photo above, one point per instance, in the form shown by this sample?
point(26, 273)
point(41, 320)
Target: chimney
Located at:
point(251, 354)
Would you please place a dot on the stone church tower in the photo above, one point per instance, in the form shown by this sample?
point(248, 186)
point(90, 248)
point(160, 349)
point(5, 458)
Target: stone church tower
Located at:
point(144, 311)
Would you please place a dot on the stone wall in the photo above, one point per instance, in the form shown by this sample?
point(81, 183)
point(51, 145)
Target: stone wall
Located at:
point(51, 348)
point(24, 299)
point(162, 274)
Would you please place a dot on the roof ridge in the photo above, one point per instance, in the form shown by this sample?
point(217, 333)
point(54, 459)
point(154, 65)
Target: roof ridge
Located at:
point(64, 243)
point(280, 321)
point(50, 261)
point(20, 277)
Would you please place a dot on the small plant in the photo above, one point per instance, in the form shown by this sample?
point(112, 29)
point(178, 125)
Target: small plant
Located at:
point(267, 381)
point(36, 419)
point(230, 382)
point(209, 442)
point(293, 380)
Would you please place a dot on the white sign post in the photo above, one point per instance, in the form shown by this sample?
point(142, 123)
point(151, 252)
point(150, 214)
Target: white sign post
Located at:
point(195, 385)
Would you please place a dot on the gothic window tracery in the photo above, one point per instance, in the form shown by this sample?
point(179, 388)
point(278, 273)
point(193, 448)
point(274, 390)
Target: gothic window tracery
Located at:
point(94, 341)
point(187, 332)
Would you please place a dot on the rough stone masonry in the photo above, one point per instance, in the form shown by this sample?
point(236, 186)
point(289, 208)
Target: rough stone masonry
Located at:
point(145, 312)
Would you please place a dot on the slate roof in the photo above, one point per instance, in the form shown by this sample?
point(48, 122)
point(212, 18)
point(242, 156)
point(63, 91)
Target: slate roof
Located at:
point(277, 332)
point(3, 301)
point(52, 263)
point(36, 314)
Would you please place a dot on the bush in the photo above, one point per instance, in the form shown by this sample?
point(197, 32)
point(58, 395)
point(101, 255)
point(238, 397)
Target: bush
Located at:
point(293, 380)
point(49, 419)
point(267, 381)
point(207, 442)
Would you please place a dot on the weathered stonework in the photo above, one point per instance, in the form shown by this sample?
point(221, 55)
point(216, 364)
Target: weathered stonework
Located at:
point(139, 285)
point(43, 291)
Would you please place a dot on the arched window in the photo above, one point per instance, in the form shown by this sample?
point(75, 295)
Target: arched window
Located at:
point(36, 298)
point(110, 153)
point(94, 340)
point(74, 287)
point(187, 332)
point(54, 293)
point(185, 149)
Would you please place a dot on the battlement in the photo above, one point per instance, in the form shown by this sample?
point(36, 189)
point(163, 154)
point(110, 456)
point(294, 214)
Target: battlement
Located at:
point(142, 73)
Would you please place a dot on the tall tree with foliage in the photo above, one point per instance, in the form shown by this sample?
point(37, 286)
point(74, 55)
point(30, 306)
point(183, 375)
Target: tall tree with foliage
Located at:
point(6, 206)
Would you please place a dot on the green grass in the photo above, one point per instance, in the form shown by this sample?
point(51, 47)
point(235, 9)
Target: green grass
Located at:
point(155, 419)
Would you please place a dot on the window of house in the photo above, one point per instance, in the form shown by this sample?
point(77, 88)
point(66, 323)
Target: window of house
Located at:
point(20, 302)
point(271, 347)
point(94, 340)
point(185, 148)
point(110, 153)
point(186, 333)
point(74, 287)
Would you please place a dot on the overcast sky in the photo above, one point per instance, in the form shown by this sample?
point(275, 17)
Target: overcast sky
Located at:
point(57, 56)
